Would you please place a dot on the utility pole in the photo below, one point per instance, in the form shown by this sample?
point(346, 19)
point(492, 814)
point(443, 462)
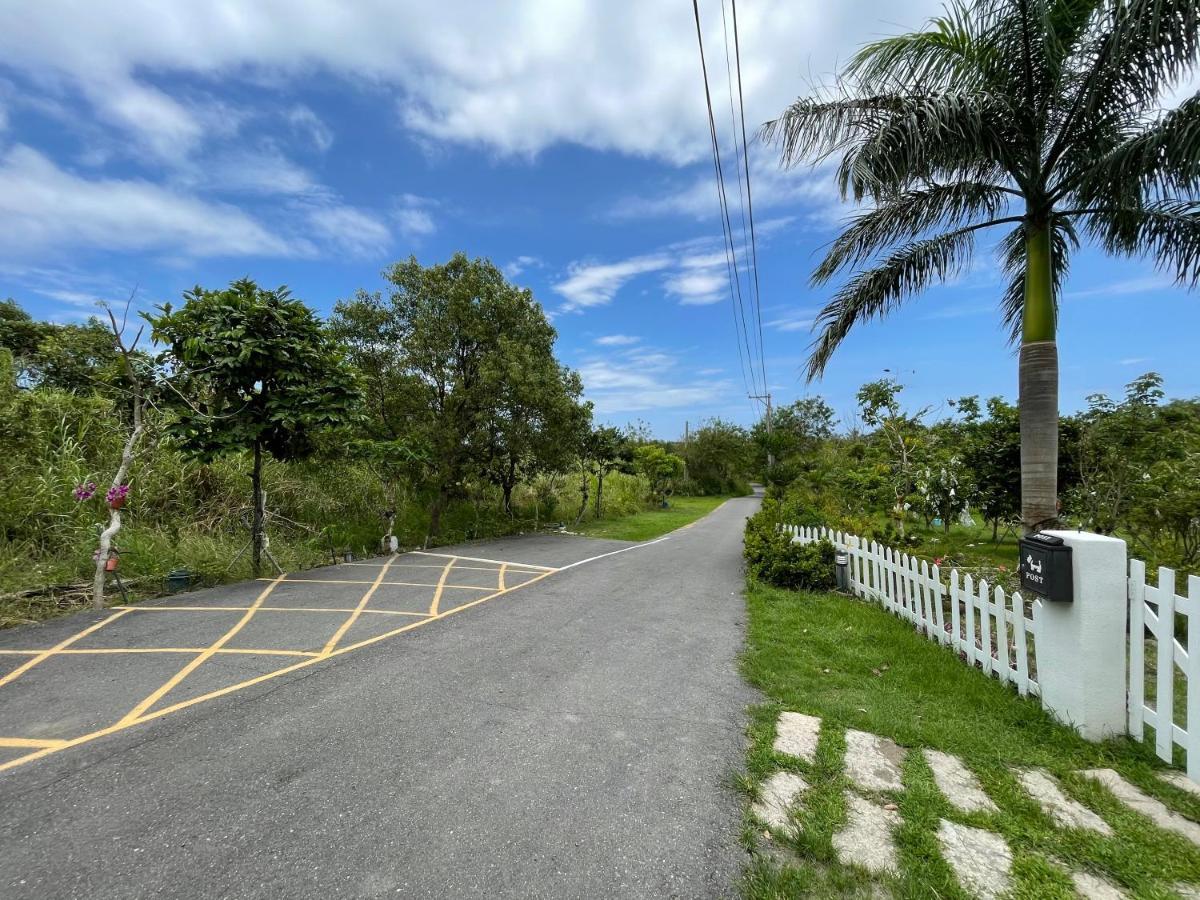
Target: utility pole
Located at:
point(770, 454)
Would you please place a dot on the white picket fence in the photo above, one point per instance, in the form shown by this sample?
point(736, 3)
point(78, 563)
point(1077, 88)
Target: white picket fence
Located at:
point(1152, 638)
point(988, 628)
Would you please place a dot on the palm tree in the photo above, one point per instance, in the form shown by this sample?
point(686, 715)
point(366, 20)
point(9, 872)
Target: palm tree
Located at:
point(1039, 115)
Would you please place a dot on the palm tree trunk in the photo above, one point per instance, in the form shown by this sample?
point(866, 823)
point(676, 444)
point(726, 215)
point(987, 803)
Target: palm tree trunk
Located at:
point(1038, 382)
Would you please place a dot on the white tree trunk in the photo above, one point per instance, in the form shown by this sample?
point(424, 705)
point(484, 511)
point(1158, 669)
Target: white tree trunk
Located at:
point(114, 515)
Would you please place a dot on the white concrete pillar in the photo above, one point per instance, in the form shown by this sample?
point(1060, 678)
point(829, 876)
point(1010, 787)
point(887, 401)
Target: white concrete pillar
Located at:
point(1081, 656)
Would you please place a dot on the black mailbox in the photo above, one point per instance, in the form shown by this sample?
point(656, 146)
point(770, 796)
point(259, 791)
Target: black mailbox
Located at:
point(1045, 567)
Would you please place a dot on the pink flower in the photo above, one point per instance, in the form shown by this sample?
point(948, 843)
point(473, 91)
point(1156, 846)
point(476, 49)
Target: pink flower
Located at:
point(120, 492)
point(938, 561)
point(85, 491)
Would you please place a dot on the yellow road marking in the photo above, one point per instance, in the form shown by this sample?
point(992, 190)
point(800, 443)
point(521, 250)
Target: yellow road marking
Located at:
point(353, 617)
point(100, 651)
point(498, 562)
point(32, 743)
point(500, 583)
point(134, 714)
point(46, 654)
point(306, 609)
point(441, 586)
point(220, 692)
point(457, 567)
point(457, 587)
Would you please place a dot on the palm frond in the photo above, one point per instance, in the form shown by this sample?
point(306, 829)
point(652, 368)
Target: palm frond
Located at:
point(938, 137)
point(953, 52)
point(1064, 239)
point(876, 292)
point(812, 128)
point(1137, 49)
point(1167, 231)
point(908, 215)
point(1161, 161)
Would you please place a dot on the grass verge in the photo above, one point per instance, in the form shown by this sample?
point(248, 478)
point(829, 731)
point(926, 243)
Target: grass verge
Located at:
point(652, 523)
point(857, 666)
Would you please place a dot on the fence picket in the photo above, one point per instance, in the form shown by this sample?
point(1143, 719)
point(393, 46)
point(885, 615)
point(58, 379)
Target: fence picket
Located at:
point(1019, 639)
point(985, 626)
point(1003, 657)
point(969, 603)
point(1164, 700)
point(935, 578)
point(954, 615)
point(1193, 678)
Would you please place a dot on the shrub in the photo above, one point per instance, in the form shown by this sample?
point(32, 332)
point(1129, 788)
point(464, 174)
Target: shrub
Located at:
point(773, 557)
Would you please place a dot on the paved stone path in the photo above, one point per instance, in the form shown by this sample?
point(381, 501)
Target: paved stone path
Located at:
point(980, 858)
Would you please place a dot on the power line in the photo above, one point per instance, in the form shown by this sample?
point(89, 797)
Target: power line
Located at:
point(737, 52)
point(726, 226)
point(737, 158)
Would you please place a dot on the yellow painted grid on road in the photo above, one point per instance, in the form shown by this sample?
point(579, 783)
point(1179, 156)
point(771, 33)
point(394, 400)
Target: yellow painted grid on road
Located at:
point(150, 708)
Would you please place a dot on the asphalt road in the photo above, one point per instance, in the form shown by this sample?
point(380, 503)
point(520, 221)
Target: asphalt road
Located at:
point(549, 730)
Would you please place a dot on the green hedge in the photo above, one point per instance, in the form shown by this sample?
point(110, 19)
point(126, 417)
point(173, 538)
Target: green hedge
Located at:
point(772, 556)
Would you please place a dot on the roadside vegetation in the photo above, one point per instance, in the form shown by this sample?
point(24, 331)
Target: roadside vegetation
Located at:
point(238, 430)
point(945, 484)
point(855, 665)
point(654, 522)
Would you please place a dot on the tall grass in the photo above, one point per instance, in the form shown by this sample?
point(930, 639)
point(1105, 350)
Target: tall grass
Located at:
point(184, 514)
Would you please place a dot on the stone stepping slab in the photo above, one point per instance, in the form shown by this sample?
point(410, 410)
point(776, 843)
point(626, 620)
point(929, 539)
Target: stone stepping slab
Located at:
point(1154, 810)
point(1093, 887)
point(1065, 812)
point(866, 840)
point(981, 860)
point(1181, 781)
point(796, 735)
point(957, 783)
point(873, 762)
point(779, 794)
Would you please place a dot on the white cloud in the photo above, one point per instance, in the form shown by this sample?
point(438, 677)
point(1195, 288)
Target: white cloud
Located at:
point(617, 340)
point(306, 122)
point(412, 217)
point(265, 171)
point(515, 77)
point(354, 231)
point(595, 284)
point(1144, 285)
point(521, 264)
point(641, 379)
point(793, 320)
point(45, 207)
point(1133, 360)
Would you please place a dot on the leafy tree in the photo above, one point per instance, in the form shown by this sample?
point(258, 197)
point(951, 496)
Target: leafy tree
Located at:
point(992, 453)
point(20, 335)
point(1117, 445)
point(718, 457)
point(661, 468)
point(251, 369)
point(472, 358)
point(608, 450)
point(1041, 116)
point(537, 424)
point(879, 406)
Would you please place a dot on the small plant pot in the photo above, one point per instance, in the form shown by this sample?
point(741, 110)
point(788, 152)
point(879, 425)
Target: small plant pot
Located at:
point(117, 502)
point(110, 564)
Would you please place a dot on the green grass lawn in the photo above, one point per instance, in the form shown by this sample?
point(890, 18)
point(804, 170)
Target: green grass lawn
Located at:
point(855, 665)
point(652, 523)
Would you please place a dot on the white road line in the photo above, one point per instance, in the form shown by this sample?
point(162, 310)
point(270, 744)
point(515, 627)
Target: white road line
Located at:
point(614, 553)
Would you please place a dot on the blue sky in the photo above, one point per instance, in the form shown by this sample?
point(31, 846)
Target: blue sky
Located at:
point(309, 144)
